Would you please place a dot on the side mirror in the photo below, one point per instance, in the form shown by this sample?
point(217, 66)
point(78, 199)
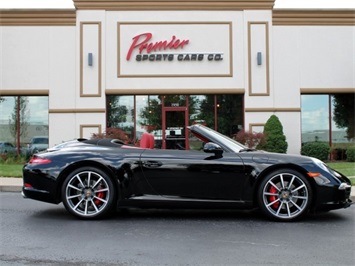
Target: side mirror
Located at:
point(211, 147)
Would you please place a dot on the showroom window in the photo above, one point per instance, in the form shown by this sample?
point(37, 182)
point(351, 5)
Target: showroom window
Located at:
point(170, 114)
point(328, 118)
point(22, 118)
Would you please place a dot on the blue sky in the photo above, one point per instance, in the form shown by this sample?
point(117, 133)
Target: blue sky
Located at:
point(315, 112)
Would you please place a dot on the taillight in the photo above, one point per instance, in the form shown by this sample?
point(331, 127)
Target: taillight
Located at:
point(39, 160)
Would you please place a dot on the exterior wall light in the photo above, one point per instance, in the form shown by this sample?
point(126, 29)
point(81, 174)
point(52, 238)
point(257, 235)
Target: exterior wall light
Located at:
point(258, 58)
point(90, 59)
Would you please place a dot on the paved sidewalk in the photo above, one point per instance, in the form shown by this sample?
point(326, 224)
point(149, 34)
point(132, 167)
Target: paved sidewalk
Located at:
point(10, 184)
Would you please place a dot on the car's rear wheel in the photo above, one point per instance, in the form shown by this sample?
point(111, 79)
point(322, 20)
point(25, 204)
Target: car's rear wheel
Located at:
point(285, 195)
point(88, 193)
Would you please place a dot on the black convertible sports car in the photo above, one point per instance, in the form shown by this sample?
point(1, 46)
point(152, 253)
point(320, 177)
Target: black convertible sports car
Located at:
point(94, 177)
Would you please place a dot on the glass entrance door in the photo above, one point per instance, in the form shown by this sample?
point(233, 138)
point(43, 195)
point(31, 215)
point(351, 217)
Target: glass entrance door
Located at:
point(175, 122)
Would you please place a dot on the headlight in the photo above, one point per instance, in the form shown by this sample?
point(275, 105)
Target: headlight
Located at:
point(326, 168)
point(321, 179)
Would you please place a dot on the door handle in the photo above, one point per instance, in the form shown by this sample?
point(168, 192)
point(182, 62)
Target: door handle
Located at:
point(152, 164)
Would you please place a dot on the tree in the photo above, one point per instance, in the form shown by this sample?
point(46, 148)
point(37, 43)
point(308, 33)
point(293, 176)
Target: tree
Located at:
point(249, 138)
point(206, 111)
point(116, 113)
point(151, 115)
point(229, 108)
point(344, 112)
point(120, 116)
point(275, 140)
point(114, 133)
point(20, 109)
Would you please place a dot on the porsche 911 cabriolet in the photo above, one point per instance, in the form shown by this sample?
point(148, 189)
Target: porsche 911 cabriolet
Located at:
point(93, 177)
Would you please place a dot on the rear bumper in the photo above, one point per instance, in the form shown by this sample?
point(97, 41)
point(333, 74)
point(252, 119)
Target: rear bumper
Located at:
point(37, 194)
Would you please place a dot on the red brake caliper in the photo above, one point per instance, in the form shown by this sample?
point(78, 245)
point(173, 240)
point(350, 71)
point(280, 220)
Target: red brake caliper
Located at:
point(100, 195)
point(273, 198)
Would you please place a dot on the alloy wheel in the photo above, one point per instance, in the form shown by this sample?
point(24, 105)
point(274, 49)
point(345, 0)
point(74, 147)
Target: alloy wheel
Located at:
point(285, 196)
point(87, 194)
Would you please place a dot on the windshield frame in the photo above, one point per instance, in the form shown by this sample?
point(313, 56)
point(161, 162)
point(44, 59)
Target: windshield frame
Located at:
point(227, 144)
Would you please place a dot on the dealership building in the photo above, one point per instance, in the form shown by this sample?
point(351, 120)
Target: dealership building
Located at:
point(160, 66)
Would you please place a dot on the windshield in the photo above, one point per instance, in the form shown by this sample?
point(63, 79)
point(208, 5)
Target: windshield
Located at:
point(40, 141)
point(232, 144)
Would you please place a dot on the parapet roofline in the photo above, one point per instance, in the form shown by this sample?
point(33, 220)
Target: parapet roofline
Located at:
point(173, 4)
point(37, 17)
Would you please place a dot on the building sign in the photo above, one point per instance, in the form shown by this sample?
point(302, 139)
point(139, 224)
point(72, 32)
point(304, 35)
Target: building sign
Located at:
point(164, 50)
point(143, 43)
point(174, 49)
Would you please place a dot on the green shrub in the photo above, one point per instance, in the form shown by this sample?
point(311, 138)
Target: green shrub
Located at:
point(275, 140)
point(317, 150)
point(350, 154)
point(12, 159)
point(114, 133)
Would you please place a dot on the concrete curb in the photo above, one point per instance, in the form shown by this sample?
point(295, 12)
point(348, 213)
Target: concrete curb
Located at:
point(13, 184)
point(10, 184)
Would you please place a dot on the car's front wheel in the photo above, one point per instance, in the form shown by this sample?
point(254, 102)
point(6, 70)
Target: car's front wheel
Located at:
point(88, 193)
point(285, 195)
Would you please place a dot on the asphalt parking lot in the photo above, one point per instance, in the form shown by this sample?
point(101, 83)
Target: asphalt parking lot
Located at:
point(37, 233)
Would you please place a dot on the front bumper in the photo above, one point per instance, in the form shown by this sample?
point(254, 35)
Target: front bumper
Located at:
point(336, 198)
point(345, 191)
point(345, 186)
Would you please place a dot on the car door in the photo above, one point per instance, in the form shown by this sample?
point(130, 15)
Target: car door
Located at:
point(193, 174)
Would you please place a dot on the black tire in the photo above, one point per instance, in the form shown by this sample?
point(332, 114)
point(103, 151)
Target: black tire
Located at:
point(285, 195)
point(88, 193)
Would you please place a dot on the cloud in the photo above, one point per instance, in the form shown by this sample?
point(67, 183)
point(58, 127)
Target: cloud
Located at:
point(37, 108)
point(315, 120)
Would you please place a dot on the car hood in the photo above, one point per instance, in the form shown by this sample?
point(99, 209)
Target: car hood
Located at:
point(270, 157)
